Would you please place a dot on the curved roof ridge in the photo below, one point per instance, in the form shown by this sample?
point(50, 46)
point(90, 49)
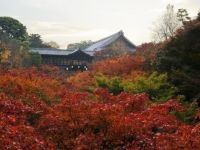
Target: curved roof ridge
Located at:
point(52, 51)
point(104, 42)
point(119, 33)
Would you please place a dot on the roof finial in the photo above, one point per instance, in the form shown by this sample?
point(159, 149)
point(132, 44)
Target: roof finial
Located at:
point(121, 32)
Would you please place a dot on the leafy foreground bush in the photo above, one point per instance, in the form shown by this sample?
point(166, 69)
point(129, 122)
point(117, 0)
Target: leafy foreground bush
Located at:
point(118, 66)
point(80, 120)
point(125, 121)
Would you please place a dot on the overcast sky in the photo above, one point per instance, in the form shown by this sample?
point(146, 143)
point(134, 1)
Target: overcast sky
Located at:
point(69, 21)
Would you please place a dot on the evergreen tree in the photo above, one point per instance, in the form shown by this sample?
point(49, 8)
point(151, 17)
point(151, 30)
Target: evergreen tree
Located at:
point(181, 59)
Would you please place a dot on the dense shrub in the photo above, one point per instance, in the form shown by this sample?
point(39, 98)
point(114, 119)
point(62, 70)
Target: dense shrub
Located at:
point(124, 121)
point(15, 131)
point(189, 114)
point(155, 85)
point(35, 59)
point(148, 51)
point(29, 84)
point(119, 66)
point(114, 85)
point(82, 81)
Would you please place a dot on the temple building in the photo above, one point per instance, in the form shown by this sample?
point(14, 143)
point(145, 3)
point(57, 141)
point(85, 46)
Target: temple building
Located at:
point(68, 60)
point(114, 45)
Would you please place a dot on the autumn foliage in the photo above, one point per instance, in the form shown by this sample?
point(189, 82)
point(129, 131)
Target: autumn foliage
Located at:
point(128, 67)
point(39, 111)
point(119, 66)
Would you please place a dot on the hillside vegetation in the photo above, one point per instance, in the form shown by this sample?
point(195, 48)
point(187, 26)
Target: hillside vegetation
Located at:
point(42, 110)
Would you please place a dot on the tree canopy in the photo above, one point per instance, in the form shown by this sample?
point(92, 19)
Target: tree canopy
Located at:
point(13, 28)
point(81, 45)
point(183, 15)
point(37, 42)
point(180, 59)
point(51, 44)
point(166, 25)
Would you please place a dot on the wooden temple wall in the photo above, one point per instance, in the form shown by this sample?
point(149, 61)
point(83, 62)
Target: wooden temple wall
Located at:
point(66, 63)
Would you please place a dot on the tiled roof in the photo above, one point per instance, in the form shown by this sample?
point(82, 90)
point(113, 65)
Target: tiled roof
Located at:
point(52, 51)
point(101, 44)
point(97, 46)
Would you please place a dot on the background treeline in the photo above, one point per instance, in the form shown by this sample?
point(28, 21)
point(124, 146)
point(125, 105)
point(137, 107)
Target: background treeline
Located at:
point(178, 54)
point(15, 44)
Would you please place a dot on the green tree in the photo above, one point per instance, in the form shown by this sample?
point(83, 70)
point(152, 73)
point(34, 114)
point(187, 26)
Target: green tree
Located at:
point(35, 41)
point(35, 59)
point(51, 44)
point(180, 58)
point(13, 28)
point(81, 45)
point(14, 36)
point(183, 15)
